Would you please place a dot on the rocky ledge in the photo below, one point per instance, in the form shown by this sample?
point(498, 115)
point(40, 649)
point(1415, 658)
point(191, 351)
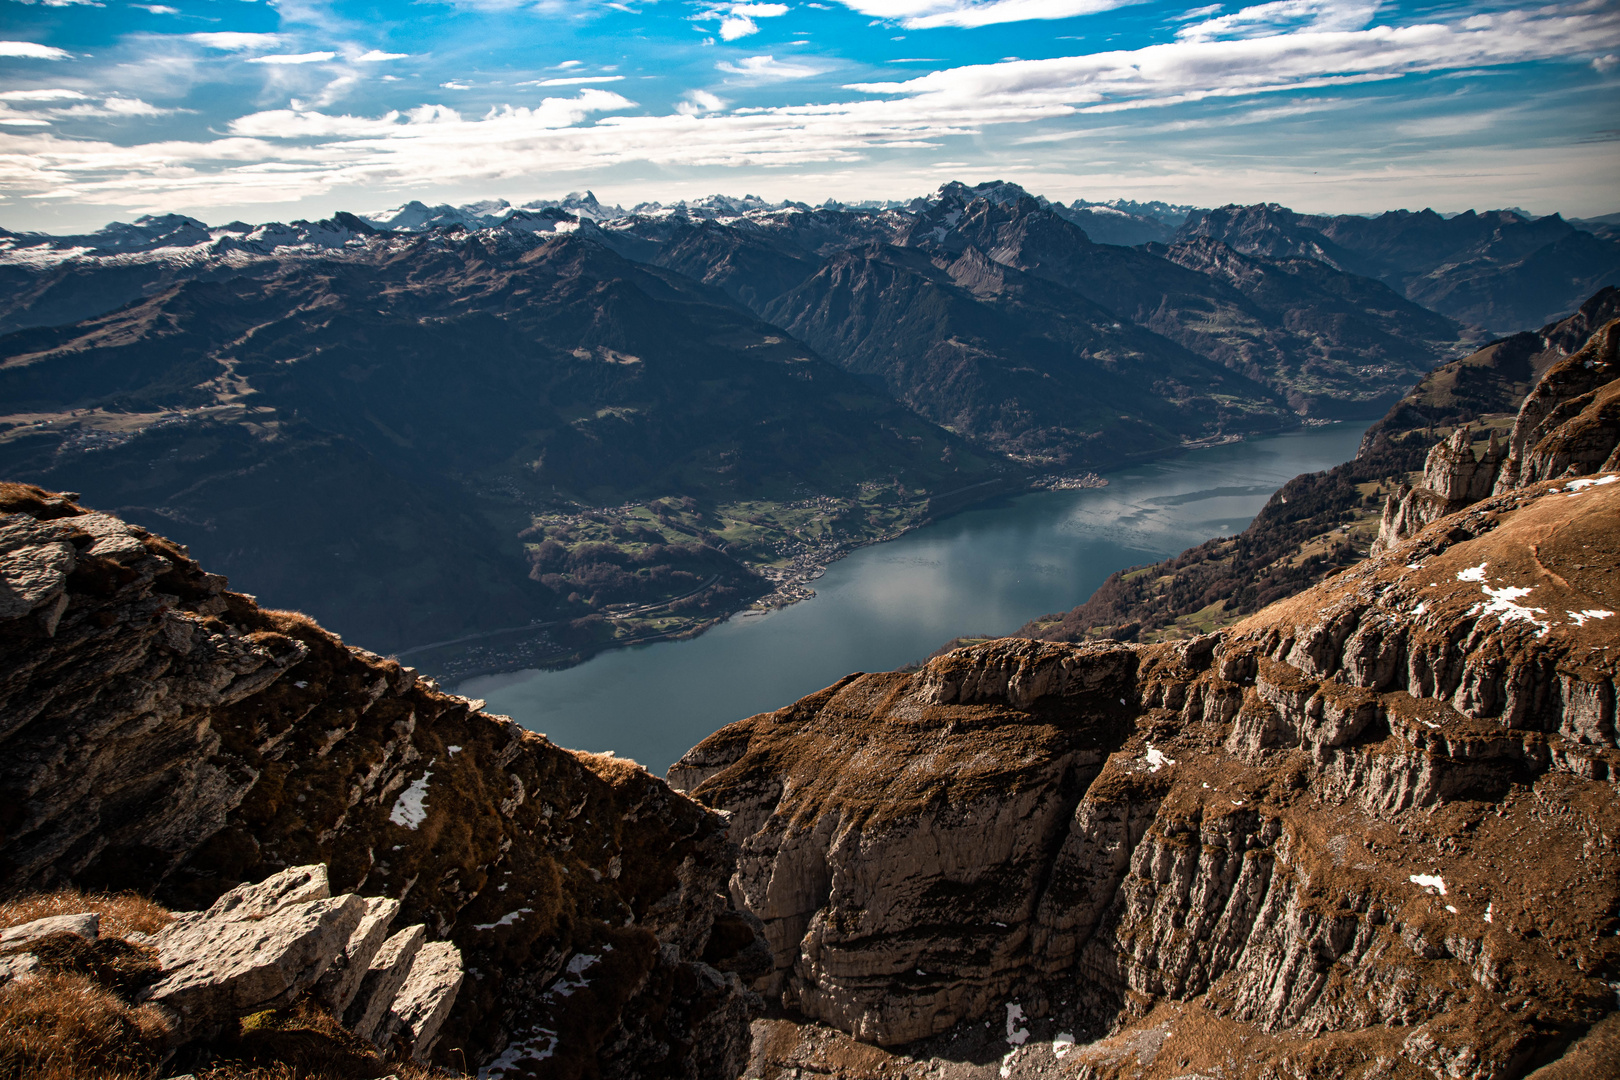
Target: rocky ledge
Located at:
point(161, 733)
point(1370, 831)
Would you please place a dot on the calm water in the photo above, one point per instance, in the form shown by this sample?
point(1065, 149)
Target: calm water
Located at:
point(986, 571)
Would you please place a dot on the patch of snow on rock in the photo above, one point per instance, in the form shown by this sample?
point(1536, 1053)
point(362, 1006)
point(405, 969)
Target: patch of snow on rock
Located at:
point(1156, 759)
point(1016, 1036)
point(1580, 617)
point(410, 810)
point(505, 920)
point(1575, 487)
point(1428, 881)
point(1062, 1043)
point(1473, 573)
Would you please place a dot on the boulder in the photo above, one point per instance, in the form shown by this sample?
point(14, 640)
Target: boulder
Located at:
point(341, 983)
point(219, 966)
point(423, 1003)
point(368, 1016)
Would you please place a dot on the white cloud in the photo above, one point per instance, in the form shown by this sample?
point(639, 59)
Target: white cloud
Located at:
point(737, 20)
point(10, 117)
point(377, 56)
point(1285, 15)
point(454, 85)
point(304, 153)
point(577, 80)
point(294, 58)
point(699, 102)
point(28, 50)
point(767, 69)
point(234, 40)
point(930, 14)
point(64, 3)
point(566, 64)
point(159, 9)
point(41, 95)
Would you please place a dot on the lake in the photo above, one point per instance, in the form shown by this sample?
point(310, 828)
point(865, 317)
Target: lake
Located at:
point(985, 571)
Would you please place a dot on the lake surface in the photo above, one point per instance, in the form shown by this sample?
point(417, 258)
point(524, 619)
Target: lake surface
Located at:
point(986, 571)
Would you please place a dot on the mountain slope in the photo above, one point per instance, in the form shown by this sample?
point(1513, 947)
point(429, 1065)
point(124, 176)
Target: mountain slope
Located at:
point(1013, 361)
point(1496, 269)
point(1334, 345)
point(433, 395)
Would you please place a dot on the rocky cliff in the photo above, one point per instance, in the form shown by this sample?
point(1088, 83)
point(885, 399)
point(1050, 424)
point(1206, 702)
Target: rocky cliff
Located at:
point(1568, 425)
point(164, 734)
point(1368, 831)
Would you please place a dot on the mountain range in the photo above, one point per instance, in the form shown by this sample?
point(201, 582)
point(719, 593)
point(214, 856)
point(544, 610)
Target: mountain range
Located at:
point(627, 423)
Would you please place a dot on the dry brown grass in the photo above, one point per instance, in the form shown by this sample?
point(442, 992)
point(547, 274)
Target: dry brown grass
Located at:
point(121, 913)
point(28, 499)
point(617, 771)
point(57, 1027)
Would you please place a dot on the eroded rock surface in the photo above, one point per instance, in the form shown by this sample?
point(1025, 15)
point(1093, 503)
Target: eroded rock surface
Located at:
point(1369, 831)
point(160, 732)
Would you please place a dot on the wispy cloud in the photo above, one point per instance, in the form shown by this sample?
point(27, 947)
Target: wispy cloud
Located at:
point(235, 40)
point(279, 155)
point(28, 50)
point(767, 69)
point(377, 56)
point(294, 58)
point(577, 80)
point(929, 14)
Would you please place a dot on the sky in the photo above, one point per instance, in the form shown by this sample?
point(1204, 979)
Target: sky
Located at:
point(264, 110)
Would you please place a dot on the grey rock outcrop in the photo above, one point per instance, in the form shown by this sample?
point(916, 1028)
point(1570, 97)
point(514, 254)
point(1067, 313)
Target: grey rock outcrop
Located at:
point(86, 925)
point(340, 985)
point(422, 1004)
point(263, 945)
point(387, 972)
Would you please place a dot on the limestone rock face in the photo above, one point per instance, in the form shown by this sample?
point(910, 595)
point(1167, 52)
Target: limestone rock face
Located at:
point(221, 966)
point(162, 733)
point(1379, 814)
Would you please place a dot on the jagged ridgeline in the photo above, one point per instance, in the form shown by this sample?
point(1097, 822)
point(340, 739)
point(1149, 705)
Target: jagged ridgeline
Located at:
point(591, 426)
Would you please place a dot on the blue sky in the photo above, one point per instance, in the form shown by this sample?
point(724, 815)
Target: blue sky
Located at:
point(274, 110)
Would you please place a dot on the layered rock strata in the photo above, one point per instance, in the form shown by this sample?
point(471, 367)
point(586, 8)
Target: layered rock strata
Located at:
point(1369, 831)
point(161, 733)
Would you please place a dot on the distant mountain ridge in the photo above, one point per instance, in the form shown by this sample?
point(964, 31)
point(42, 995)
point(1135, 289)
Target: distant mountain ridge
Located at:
point(568, 411)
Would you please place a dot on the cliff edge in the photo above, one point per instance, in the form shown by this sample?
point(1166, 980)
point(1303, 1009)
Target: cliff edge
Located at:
point(1368, 831)
point(161, 733)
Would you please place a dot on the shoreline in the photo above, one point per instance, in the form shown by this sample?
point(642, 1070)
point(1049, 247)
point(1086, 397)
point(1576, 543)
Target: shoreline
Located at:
point(791, 584)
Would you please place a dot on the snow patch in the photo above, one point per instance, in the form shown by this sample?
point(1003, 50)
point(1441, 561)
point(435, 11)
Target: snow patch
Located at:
point(1421, 608)
point(1156, 759)
point(1016, 1036)
point(1473, 573)
point(1580, 617)
point(1503, 607)
point(453, 749)
point(505, 920)
point(410, 809)
point(1575, 487)
point(1488, 908)
point(1428, 881)
point(1062, 1043)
